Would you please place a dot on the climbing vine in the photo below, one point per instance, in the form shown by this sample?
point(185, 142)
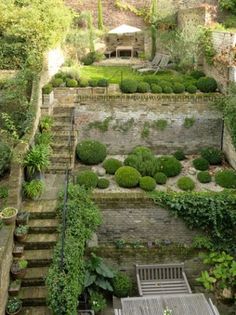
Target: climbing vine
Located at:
point(207, 45)
point(65, 283)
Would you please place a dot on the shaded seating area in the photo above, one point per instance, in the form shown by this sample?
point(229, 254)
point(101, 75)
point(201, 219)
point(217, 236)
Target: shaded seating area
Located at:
point(162, 279)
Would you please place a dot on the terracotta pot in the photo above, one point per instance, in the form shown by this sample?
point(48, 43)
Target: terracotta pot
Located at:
point(18, 251)
point(17, 312)
point(14, 291)
point(11, 219)
point(20, 237)
point(16, 272)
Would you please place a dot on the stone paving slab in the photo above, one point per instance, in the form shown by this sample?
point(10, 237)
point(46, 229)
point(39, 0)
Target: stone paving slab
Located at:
point(37, 310)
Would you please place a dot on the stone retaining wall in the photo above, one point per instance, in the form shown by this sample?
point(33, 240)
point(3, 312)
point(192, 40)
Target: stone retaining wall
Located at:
point(125, 121)
point(229, 148)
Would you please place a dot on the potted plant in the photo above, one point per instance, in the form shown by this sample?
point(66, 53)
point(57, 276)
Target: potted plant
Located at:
point(14, 306)
point(48, 95)
point(18, 268)
point(22, 218)
point(21, 232)
point(46, 123)
point(97, 302)
point(18, 251)
point(14, 287)
point(8, 215)
point(33, 189)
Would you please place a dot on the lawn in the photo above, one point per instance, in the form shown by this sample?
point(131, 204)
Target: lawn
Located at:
point(116, 74)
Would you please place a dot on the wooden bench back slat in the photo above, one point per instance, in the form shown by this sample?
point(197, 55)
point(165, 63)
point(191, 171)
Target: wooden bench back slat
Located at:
point(160, 272)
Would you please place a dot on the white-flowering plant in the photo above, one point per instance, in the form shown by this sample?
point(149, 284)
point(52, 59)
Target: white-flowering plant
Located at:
point(167, 311)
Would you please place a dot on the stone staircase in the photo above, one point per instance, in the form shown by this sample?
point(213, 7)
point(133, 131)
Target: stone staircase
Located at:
point(38, 250)
point(63, 149)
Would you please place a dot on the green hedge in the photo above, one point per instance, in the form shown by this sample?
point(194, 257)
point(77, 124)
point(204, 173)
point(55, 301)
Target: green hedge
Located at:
point(213, 213)
point(65, 284)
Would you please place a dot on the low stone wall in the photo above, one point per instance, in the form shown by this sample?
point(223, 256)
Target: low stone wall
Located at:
point(134, 217)
point(229, 148)
point(157, 121)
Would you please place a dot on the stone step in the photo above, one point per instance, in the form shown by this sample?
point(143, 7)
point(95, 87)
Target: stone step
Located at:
point(43, 226)
point(36, 310)
point(62, 109)
point(61, 126)
point(33, 296)
point(64, 138)
point(38, 258)
point(62, 118)
point(40, 241)
point(59, 167)
point(35, 276)
point(41, 209)
point(65, 158)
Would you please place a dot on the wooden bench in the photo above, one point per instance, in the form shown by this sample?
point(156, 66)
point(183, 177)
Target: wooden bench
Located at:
point(162, 279)
point(117, 311)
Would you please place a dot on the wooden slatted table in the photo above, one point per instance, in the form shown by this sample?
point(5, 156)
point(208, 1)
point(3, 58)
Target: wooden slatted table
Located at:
point(186, 304)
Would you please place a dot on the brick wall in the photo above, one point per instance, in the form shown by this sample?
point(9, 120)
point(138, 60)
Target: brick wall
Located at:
point(114, 17)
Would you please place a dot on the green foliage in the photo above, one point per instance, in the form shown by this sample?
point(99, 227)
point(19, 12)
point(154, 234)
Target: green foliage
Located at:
point(192, 89)
point(21, 229)
point(5, 158)
point(129, 86)
point(88, 179)
point(178, 88)
point(102, 83)
point(47, 89)
point(122, 285)
point(91, 152)
point(179, 155)
point(189, 122)
point(146, 130)
point(91, 57)
point(28, 31)
point(143, 87)
point(56, 82)
point(156, 89)
point(98, 275)
point(44, 138)
point(230, 21)
point(197, 74)
point(167, 90)
point(226, 178)
point(222, 272)
point(3, 192)
point(169, 165)
point(147, 183)
point(123, 126)
point(186, 183)
point(103, 183)
point(207, 85)
point(207, 46)
point(83, 82)
point(97, 302)
point(160, 124)
point(204, 177)
point(112, 165)
point(103, 126)
point(71, 83)
point(65, 283)
point(33, 189)
point(37, 159)
point(213, 213)
point(100, 16)
point(46, 123)
point(202, 242)
point(127, 177)
point(228, 5)
point(160, 178)
point(201, 164)
point(213, 155)
point(14, 304)
point(92, 83)
point(154, 39)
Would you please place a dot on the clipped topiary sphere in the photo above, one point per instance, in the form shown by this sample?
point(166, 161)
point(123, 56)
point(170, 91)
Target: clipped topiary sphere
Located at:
point(88, 179)
point(226, 178)
point(204, 177)
point(169, 165)
point(127, 177)
point(178, 88)
point(141, 150)
point(196, 74)
point(112, 165)
point(213, 155)
point(179, 155)
point(56, 82)
point(147, 183)
point(83, 82)
point(103, 183)
point(201, 164)
point(192, 89)
point(71, 83)
point(92, 83)
point(207, 85)
point(160, 178)
point(167, 90)
point(129, 86)
point(156, 89)
point(5, 158)
point(91, 152)
point(47, 89)
point(102, 83)
point(186, 183)
point(122, 285)
point(143, 87)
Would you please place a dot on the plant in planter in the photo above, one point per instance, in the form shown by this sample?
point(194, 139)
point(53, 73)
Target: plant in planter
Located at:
point(18, 251)
point(14, 287)
point(122, 285)
point(21, 232)
point(33, 189)
point(22, 218)
point(8, 215)
point(97, 302)
point(46, 123)
point(18, 268)
point(14, 306)
point(37, 160)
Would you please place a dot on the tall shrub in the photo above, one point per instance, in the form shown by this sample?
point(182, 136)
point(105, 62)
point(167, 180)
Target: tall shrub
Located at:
point(153, 26)
point(100, 15)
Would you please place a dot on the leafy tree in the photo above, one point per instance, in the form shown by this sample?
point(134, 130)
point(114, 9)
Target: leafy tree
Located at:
point(100, 16)
point(153, 20)
point(229, 5)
